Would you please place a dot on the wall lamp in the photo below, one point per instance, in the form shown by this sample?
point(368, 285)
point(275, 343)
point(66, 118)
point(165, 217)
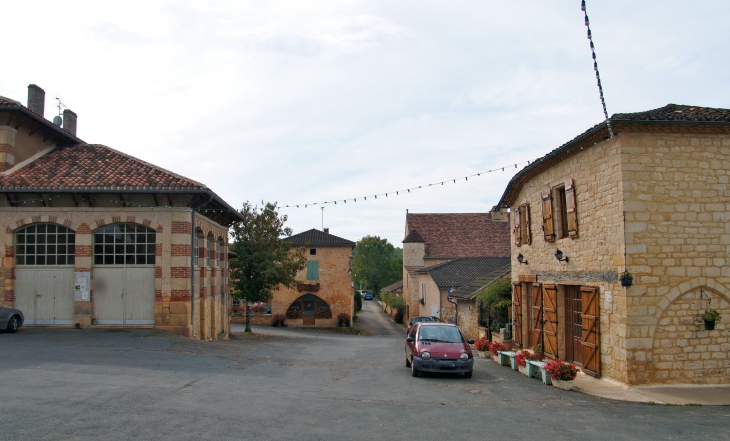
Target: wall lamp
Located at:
point(559, 256)
point(521, 259)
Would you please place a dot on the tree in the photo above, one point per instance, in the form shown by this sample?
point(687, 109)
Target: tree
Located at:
point(376, 263)
point(263, 260)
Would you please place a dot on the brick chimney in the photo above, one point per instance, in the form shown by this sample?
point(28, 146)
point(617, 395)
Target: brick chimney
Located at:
point(69, 121)
point(36, 99)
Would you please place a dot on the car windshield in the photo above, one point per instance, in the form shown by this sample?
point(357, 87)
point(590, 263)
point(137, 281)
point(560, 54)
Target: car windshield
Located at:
point(446, 334)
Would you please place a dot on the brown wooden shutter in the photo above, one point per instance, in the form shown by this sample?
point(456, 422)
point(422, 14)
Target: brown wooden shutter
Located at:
point(548, 227)
point(517, 312)
point(550, 323)
point(570, 208)
point(516, 230)
point(527, 236)
point(591, 337)
point(536, 320)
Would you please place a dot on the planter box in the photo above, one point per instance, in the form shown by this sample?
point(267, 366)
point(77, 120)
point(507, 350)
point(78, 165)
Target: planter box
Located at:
point(312, 287)
point(505, 358)
point(522, 369)
point(496, 358)
point(533, 369)
point(482, 354)
point(513, 360)
point(565, 385)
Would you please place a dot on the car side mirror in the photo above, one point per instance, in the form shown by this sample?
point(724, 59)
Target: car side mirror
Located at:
point(471, 342)
point(410, 339)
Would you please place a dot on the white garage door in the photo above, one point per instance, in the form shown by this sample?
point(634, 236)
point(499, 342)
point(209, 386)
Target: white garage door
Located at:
point(45, 294)
point(124, 275)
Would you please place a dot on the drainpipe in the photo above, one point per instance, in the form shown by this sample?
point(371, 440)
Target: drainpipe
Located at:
point(456, 306)
point(192, 269)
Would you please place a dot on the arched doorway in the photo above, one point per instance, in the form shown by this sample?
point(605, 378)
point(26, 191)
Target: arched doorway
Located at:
point(310, 308)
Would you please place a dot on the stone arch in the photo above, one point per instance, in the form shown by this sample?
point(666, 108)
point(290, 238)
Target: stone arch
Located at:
point(108, 220)
point(687, 286)
point(45, 219)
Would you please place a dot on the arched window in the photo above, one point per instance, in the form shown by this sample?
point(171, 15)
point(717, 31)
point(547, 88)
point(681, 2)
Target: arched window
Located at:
point(218, 248)
point(210, 248)
point(124, 244)
point(309, 306)
point(45, 244)
point(196, 247)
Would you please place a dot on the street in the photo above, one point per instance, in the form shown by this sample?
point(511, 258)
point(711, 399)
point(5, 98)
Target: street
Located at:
point(374, 322)
point(68, 384)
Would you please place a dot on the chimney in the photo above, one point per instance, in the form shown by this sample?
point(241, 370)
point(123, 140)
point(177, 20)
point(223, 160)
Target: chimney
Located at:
point(69, 121)
point(36, 99)
point(326, 231)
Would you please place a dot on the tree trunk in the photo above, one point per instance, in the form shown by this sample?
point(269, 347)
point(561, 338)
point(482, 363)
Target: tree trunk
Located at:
point(248, 316)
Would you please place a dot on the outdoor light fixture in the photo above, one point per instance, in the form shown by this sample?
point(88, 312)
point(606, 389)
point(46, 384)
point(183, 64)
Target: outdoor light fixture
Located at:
point(559, 256)
point(521, 259)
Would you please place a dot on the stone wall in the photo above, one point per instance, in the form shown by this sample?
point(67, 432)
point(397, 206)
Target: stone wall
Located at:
point(677, 236)
point(335, 285)
point(468, 319)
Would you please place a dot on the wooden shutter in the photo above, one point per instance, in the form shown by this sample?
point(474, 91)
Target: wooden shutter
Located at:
point(517, 312)
point(526, 236)
point(570, 208)
point(312, 270)
point(548, 227)
point(536, 320)
point(516, 229)
point(591, 337)
point(550, 322)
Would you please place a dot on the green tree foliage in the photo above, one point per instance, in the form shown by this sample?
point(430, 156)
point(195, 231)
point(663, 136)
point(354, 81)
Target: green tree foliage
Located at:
point(263, 260)
point(496, 298)
point(376, 263)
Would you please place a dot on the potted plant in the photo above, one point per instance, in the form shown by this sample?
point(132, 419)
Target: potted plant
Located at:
point(482, 345)
point(562, 374)
point(343, 319)
point(710, 316)
point(495, 348)
point(626, 278)
point(278, 320)
point(522, 358)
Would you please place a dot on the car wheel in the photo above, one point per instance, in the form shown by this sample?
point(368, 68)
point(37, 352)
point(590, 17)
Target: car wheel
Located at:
point(468, 374)
point(408, 362)
point(13, 324)
point(414, 372)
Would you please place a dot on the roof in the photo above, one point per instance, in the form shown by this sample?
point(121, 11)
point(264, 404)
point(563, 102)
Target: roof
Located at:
point(468, 291)
point(93, 167)
point(413, 237)
point(315, 237)
point(670, 114)
point(394, 287)
point(61, 135)
point(462, 271)
point(451, 235)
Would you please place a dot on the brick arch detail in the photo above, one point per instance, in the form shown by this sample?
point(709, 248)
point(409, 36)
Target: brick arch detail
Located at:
point(46, 219)
point(110, 220)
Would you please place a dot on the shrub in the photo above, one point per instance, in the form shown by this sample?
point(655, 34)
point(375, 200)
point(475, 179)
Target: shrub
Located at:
point(278, 320)
point(358, 301)
point(344, 317)
point(495, 347)
point(324, 313)
point(561, 371)
point(482, 344)
point(294, 313)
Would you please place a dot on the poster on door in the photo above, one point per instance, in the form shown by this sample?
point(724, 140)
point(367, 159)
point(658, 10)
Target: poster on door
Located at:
point(82, 286)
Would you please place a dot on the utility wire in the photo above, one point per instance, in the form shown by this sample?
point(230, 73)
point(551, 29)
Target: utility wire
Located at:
point(595, 66)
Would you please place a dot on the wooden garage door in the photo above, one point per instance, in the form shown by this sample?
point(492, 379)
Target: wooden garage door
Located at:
point(124, 295)
point(517, 311)
point(550, 320)
point(45, 295)
point(591, 336)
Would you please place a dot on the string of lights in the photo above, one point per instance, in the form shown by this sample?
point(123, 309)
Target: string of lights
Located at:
point(406, 190)
point(595, 66)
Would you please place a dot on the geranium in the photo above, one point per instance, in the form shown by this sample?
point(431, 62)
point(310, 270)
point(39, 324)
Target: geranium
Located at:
point(561, 371)
point(523, 356)
point(324, 313)
point(495, 347)
point(278, 320)
point(294, 313)
point(258, 309)
point(482, 344)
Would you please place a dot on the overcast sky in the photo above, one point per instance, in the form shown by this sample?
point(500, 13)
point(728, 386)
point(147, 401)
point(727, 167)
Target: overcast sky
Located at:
point(303, 101)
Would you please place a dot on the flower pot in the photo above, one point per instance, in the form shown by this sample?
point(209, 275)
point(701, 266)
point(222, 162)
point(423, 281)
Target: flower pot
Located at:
point(481, 354)
point(496, 358)
point(565, 385)
point(709, 325)
point(522, 369)
point(626, 281)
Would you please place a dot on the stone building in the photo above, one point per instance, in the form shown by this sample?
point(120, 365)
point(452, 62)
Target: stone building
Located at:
point(95, 237)
point(470, 317)
point(651, 200)
point(431, 239)
point(325, 289)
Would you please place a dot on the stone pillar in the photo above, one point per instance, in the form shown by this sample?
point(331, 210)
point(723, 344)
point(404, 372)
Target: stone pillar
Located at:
point(7, 147)
point(84, 253)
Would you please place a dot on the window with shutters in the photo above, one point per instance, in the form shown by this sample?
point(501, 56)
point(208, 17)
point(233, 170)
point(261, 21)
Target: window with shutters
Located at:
point(566, 216)
point(522, 231)
point(313, 270)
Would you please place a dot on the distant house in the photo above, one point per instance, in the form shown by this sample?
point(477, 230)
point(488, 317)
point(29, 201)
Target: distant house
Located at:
point(433, 239)
point(326, 283)
point(652, 200)
point(438, 283)
point(395, 288)
point(94, 236)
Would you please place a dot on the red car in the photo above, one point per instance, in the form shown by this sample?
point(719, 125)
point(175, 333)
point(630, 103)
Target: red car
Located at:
point(438, 347)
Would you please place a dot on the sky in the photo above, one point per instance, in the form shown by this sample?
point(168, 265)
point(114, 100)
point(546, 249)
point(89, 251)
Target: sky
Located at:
point(304, 102)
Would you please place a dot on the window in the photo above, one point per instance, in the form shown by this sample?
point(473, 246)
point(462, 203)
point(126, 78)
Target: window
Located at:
point(312, 251)
point(521, 226)
point(313, 270)
point(124, 244)
point(211, 249)
point(566, 217)
point(196, 248)
point(45, 244)
point(218, 247)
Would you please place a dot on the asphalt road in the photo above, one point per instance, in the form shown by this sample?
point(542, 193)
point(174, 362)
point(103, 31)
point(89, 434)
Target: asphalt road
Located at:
point(373, 321)
point(66, 384)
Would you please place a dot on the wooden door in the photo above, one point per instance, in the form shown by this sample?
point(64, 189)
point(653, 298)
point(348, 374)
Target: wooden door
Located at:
point(591, 336)
point(535, 335)
point(308, 314)
point(517, 312)
point(573, 325)
point(139, 295)
point(550, 320)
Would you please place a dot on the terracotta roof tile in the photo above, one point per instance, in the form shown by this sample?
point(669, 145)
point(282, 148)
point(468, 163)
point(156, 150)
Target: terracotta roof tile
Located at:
point(93, 167)
point(459, 272)
point(676, 112)
point(451, 235)
point(318, 238)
